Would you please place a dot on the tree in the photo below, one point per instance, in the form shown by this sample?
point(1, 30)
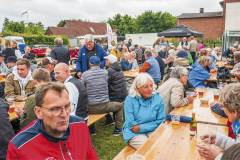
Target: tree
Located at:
point(12, 28)
point(61, 23)
point(147, 22)
point(124, 24)
point(150, 22)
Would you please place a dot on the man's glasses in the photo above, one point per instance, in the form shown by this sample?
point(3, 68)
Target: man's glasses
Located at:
point(56, 111)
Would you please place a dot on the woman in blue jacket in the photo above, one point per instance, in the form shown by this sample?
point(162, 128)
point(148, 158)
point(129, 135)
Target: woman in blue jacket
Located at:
point(200, 72)
point(144, 111)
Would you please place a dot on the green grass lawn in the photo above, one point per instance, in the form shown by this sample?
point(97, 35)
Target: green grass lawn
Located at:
point(107, 145)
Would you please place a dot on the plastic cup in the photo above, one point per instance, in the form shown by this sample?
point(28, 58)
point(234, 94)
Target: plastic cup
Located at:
point(175, 119)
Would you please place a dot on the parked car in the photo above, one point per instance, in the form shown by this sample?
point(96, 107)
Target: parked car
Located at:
point(39, 50)
point(73, 52)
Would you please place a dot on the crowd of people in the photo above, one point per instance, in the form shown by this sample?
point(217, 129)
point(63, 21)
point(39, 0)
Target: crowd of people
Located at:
point(58, 103)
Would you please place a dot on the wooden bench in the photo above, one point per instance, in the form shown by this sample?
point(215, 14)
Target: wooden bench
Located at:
point(94, 118)
point(125, 152)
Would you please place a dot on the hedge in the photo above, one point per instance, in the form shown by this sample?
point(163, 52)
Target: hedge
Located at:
point(38, 39)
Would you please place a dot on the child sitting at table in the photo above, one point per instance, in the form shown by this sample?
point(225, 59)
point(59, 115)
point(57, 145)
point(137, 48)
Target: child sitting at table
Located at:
point(229, 97)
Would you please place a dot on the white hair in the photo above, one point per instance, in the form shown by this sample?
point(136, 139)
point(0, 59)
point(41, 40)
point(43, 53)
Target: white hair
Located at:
point(177, 72)
point(88, 38)
point(138, 82)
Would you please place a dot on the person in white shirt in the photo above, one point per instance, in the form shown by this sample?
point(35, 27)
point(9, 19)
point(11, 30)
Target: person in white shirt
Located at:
point(76, 89)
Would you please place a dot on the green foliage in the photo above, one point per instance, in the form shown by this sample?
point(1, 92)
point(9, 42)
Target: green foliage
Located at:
point(61, 23)
point(11, 27)
point(42, 39)
point(147, 22)
point(107, 145)
point(33, 33)
point(124, 24)
point(211, 43)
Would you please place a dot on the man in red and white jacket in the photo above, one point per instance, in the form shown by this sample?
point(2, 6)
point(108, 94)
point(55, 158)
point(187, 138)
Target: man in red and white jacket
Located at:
point(55, 135)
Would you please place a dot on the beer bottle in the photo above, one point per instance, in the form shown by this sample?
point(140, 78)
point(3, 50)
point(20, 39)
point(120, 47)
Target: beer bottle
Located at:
point(193, 125)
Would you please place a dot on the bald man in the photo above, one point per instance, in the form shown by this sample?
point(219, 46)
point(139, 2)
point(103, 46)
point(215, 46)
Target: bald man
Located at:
point(76, 89)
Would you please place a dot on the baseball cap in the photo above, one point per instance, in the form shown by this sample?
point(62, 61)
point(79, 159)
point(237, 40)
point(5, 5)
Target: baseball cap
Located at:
point(95, 60)
point(112, 59)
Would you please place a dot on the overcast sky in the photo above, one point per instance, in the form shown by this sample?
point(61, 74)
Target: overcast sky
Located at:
point(50, 12)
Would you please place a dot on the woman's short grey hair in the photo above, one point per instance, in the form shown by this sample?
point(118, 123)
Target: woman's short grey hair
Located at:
point(177, 72)
point(229, 97)
point(138, 82)
point(58, 41)
point(148, 52)
point(237, 56)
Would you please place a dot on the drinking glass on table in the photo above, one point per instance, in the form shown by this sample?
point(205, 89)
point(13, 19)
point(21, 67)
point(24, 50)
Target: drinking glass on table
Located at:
point(175, 118)
point(10, 101)
point(216, 95)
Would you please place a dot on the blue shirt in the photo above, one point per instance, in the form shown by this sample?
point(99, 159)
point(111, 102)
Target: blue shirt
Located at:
point(147, 113)
point(236, 129)
point(198, 75)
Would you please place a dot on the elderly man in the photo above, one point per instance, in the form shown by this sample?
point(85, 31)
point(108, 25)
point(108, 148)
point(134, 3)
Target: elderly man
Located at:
point(60, 53)
point(88, 50)
point(56, 134)
point(20, 81)
point(96, 82)
point(151, 66)
point(76, 89)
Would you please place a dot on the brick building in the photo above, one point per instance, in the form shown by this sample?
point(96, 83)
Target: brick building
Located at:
point(214, 24)
point(209, 23)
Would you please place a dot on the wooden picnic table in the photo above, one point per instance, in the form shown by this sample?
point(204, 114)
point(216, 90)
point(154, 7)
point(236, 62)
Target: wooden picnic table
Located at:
point(131, 73)
point(174, 142)
point(224, 64)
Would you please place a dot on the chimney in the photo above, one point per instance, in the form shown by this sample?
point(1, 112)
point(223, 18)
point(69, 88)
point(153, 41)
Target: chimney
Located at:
point(201, 10)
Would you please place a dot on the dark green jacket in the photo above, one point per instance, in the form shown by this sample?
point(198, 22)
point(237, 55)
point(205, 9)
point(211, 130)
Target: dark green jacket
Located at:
point(29, 114)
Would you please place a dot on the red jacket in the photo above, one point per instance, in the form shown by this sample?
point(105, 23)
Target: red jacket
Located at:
point(35, 144)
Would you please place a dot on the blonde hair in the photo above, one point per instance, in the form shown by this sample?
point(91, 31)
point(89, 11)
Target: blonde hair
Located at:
point(7, 43)
point(138, 82)
point(203, 59)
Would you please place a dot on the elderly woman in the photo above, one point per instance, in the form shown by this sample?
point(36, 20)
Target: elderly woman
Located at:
point(172, 90)
point(236, 69)
point(200, 72)
point(229, 97)
point(144, 111)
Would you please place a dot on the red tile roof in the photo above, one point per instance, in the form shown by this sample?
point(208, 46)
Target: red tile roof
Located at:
point(74, 28)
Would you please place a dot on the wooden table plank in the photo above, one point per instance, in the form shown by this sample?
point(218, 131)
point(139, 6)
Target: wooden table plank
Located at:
point(131, 73)
point(173, 142)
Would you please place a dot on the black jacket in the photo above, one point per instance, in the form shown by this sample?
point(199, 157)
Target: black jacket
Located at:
point(82, 103)
point(8, 52)
point(116, 83)
point(6, 130)
point(61, 54)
